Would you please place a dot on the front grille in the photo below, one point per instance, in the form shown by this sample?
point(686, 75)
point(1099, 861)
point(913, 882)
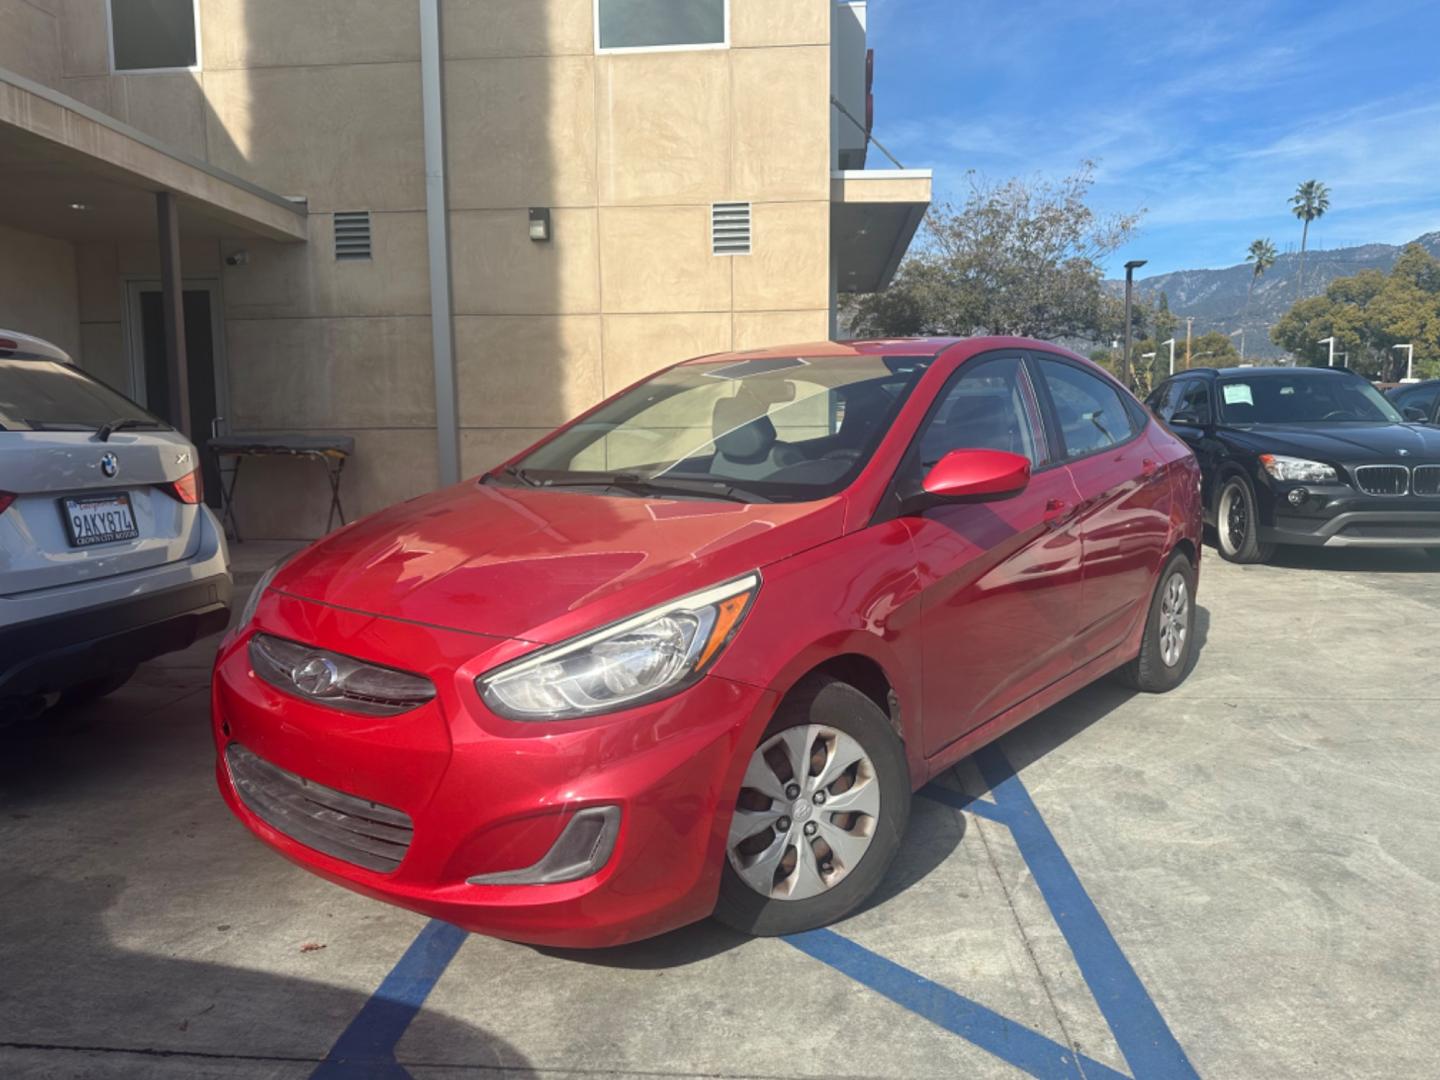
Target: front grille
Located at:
point(350, 828)
point(1426, 480)
point(1392, 530)
point(1382, 479)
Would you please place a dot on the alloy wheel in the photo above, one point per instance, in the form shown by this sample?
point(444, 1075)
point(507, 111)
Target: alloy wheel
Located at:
point(1174, 619)
point(806, 813)
point(1234, 518)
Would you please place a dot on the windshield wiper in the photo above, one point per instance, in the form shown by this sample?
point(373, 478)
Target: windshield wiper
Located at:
point(642, 485)
point(104, 431)
point(517, 473)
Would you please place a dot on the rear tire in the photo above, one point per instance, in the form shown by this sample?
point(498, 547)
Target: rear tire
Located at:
point(1168, 647)
point(781, 838)
point(1237, 524)
point(94, 689)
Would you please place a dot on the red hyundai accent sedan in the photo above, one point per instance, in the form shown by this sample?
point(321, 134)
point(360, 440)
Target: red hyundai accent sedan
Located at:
point(691, 653)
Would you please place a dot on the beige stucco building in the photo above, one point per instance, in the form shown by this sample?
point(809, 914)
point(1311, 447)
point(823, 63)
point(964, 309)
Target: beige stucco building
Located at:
point(682, 159)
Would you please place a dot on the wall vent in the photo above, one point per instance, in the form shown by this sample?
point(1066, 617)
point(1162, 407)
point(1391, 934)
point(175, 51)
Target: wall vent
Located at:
point(730, 228)
point(352, 234)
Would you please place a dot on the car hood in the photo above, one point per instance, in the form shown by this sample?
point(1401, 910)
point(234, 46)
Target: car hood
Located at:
point(1347, 443)
point(543, 565)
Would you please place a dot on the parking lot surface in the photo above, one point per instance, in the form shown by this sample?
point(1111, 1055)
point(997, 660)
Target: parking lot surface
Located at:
point(1238, 879)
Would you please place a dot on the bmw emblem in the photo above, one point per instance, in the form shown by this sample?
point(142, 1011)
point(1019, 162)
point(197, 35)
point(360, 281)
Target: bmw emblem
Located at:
point(316, 677)
point(110, 466)
point(1403, 453)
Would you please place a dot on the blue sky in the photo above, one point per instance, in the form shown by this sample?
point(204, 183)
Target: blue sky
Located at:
point(1206, 115)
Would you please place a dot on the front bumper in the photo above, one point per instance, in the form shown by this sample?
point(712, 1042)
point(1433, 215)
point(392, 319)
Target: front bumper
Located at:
point(482, 796)
point(50, 654)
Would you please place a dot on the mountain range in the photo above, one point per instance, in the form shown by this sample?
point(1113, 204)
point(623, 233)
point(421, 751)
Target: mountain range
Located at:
point(1216, 298)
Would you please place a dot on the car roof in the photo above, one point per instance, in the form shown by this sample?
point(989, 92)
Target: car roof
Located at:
point(904, 346)
point(1269, 369)
point(17, 346)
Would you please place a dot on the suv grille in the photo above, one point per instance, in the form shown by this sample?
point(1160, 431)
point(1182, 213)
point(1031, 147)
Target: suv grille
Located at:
point(1382, 479)
point(1426, 480)
point(356, 830)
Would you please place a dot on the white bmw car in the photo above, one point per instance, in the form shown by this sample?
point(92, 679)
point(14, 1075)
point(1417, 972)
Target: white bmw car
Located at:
point(108, 554)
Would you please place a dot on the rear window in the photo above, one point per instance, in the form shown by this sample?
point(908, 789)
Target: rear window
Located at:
point(42, 395)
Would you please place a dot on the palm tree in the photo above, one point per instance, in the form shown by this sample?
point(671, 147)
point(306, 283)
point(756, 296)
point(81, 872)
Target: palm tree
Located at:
point(1261, 257)
point(1310, 201)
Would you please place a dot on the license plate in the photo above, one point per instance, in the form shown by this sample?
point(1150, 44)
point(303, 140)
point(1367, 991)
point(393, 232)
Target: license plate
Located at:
point(99, 520)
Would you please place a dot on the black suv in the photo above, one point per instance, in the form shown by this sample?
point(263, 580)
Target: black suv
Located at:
point(1312, 456)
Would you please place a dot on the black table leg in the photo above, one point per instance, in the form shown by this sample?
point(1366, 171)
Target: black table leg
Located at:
point(334, 467)
point(227, 497)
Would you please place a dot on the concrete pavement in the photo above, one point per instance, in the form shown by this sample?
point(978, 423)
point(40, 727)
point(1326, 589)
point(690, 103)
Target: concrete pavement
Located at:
point(1234, 880)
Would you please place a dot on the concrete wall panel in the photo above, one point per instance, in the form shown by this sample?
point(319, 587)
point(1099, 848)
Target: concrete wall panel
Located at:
point(781, 128)
point(764, 329)
point(639, 345)
point(530, 371)
point(766, 22)
point(30, 42)
point(38, 290)
point(657, 258)
point(103, 353)
point(499, 270)
point(281, 33)
point(517, 28)
point(788, 267)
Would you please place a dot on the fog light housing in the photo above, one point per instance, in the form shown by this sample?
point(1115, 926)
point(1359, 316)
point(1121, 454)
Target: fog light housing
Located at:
point(582, 849)
point(1298, 496)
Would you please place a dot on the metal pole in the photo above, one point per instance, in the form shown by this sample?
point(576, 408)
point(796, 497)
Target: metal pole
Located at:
point(1130, 268)
point(1171, 343)
point(1331, 342)
point(1189, 323)
point(173, 302)
point(437, 223)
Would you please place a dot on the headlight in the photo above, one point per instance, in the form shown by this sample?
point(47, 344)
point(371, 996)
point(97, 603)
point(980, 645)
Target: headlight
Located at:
point(1297, 469)
point(253, 600)
point(654, 654)
point(334, 679)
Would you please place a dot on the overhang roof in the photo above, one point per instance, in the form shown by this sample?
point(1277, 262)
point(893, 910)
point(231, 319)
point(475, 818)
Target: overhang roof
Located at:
point(56, 151)
point(873, 216)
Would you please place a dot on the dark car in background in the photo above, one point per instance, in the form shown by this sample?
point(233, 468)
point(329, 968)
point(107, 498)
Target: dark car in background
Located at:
point(1417, 401)
point(1312, 456)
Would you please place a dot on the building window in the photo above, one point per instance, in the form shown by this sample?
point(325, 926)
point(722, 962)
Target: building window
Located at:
point(154, 35)
point(646, 25)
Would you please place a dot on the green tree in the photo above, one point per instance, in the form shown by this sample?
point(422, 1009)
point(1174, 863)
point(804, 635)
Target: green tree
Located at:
point(1261, 256)
point(1309, 203)
point(1020, 257)
point(1368, 314)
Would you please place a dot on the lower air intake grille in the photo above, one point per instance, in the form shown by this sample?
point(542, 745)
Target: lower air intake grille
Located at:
point(1383, 479)
point(356, 830)
point(1426, 480)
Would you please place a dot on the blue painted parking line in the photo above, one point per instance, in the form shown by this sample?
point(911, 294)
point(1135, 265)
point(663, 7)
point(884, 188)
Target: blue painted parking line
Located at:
point(1012, 1042)
point(366, 1049)
point(1140, 1031)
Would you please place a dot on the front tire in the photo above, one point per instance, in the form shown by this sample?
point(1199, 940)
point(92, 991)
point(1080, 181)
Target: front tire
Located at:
point(1167, 649)
point(820, 813)
point(1237, 524)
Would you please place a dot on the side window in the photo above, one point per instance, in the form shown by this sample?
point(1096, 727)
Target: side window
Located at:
point(1091, 412)
point(153, 35)
point(1422, 397)
point(1162, 401)
point(1195, 402)
point(983, 409)
point(661, 24)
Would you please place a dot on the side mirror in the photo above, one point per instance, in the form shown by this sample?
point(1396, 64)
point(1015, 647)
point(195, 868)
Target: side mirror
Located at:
point(977, 474)
point(1413, 412)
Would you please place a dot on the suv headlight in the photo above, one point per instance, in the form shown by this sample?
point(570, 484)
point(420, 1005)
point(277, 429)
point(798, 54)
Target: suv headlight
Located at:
point(1297, 469)
point(651, 655)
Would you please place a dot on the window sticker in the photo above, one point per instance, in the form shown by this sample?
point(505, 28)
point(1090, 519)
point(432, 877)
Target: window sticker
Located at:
point(1237, 394)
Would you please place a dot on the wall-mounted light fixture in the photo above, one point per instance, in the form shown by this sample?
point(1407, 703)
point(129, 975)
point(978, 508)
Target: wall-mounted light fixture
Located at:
point(539, 223)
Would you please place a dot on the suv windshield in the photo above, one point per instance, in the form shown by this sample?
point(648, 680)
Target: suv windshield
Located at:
point(1301, 397)
point(766, 429)
point(44, 395)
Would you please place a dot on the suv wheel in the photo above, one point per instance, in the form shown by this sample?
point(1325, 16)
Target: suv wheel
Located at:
point(820, 814)
point(1237, 524)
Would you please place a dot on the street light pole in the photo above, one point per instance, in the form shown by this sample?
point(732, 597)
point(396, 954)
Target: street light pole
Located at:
point(1331, 342)
point(1409, 361)
point(1130, 268)
point(1241, 332)
point(1171, 343)
point(1189, 325)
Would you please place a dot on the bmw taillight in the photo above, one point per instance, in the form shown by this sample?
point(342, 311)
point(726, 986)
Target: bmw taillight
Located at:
point(6, 498)
point(189, 489)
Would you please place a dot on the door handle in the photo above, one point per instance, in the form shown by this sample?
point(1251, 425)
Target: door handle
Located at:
point(1148, 469)
point(1057, 512)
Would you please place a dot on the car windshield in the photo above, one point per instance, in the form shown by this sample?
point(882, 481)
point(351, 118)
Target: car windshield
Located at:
point(45, 395)
point(763, 429)
point(1301, 397)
